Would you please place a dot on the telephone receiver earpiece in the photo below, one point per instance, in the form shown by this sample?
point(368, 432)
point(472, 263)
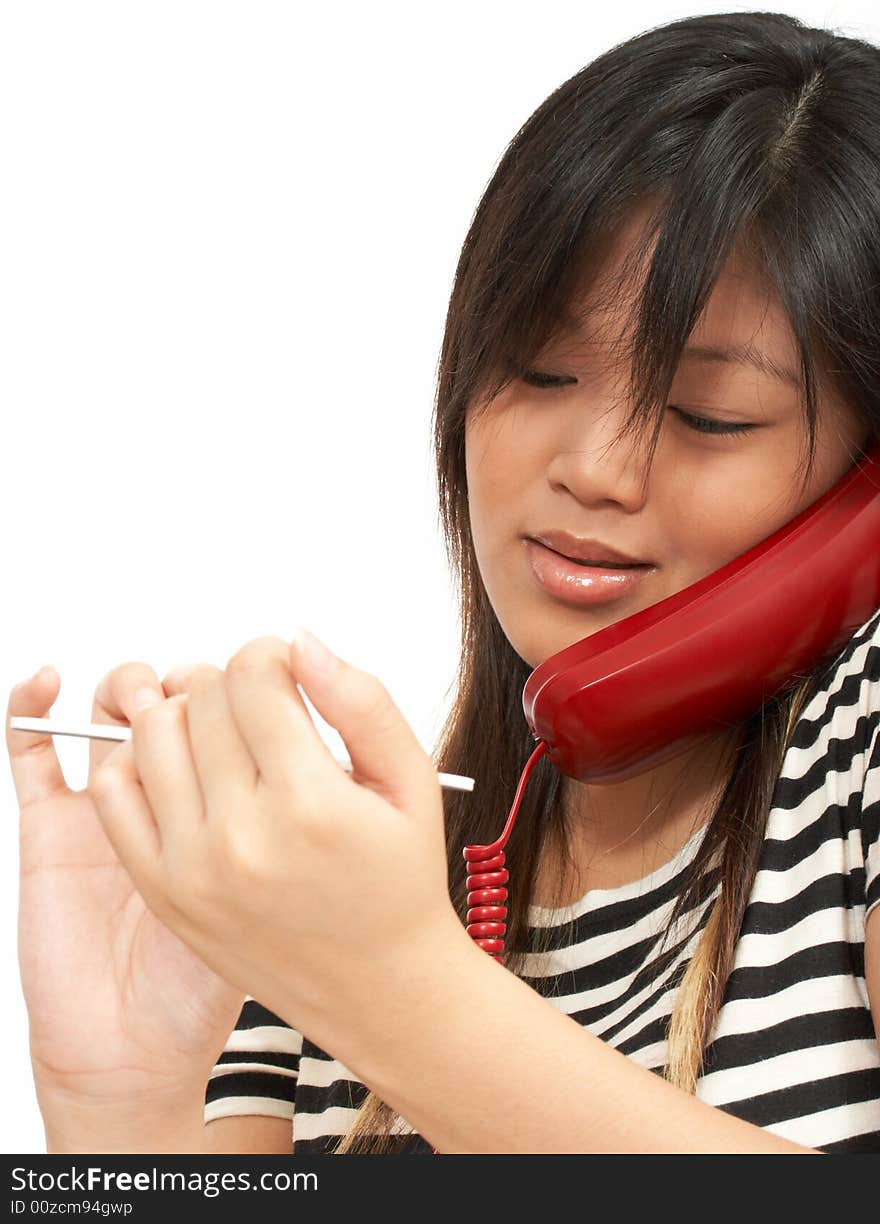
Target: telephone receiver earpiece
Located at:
point(641, 691)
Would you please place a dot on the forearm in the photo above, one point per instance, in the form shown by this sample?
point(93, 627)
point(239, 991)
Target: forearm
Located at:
point(477, 1061)
point(71, 1125)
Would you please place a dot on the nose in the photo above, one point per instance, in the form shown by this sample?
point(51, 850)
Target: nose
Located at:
point(596, 460)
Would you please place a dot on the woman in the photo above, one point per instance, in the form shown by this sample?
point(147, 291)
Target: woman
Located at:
point(662, 339)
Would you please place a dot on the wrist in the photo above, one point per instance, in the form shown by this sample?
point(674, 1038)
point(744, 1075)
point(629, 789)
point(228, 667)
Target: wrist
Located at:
point(406, 999)
point(73, 1123)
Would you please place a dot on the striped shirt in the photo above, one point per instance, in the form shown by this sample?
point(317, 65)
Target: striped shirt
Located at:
point(793, 1050)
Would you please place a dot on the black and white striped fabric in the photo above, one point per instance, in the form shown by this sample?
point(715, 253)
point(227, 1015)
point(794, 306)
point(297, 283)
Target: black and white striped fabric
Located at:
point(794, 1049)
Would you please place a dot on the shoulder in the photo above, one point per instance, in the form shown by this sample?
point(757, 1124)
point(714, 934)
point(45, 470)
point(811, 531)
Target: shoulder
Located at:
point(826, 808)
point(839, 723)
point(858, 659)
point(854, 739)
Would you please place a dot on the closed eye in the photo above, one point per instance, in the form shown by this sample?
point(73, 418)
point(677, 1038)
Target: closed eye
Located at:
point(535, 378)
point(707, 426)
point(704, 425)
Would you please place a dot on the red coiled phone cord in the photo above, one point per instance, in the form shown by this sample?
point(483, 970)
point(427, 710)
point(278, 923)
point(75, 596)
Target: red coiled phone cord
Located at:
point(487, 876)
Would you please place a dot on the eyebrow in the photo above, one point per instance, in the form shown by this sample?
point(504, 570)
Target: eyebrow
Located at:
point(742, 354)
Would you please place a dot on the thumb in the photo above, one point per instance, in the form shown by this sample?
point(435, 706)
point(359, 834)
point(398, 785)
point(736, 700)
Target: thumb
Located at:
point(384, 750)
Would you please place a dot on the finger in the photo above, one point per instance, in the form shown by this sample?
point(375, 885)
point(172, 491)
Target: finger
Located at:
point(115, 702)
point(226, 770)
point(36, 771)
point(167, 772)
point(127, 817)
point(385, 752)
point(272, 717)
point(176, 680)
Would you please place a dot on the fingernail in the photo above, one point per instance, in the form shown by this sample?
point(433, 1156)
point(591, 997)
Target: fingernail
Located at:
point(314, 651)
point(146, 697)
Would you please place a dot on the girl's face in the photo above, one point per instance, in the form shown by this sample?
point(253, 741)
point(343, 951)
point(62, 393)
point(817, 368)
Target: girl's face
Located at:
point(542, 459)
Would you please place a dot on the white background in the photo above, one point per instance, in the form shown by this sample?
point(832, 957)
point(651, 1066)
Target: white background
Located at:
point(228, 233)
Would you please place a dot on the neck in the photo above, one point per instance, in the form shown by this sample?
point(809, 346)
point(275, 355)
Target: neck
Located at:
point(667, 803)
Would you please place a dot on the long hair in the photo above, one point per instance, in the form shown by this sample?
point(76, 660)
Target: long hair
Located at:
point(747, 130)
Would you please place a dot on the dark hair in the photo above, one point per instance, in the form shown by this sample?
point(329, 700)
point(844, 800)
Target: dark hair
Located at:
point(747, 130)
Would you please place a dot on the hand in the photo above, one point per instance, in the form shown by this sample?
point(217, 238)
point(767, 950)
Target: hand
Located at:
point(120, 1010)
point(296, 881)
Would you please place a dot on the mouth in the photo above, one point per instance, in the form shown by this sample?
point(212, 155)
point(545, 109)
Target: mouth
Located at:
point(596, 564)
point(583, 582)
point(583, 551)
point(593, 564)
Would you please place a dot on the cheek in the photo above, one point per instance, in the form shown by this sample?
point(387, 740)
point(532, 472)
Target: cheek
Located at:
point(723, 509)
point(496, 479)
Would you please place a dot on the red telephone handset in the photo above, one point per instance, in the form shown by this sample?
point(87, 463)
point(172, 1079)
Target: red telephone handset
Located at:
point(638, 692)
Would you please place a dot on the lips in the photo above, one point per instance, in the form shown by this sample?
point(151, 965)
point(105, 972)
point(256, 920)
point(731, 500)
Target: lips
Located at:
point(597, 564)
point(586, 551)
point(577, 583)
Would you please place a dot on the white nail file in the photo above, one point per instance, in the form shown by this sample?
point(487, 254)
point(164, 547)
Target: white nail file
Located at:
point(111, 731)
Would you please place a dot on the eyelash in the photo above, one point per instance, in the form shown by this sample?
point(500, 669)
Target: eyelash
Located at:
point(698, 424)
